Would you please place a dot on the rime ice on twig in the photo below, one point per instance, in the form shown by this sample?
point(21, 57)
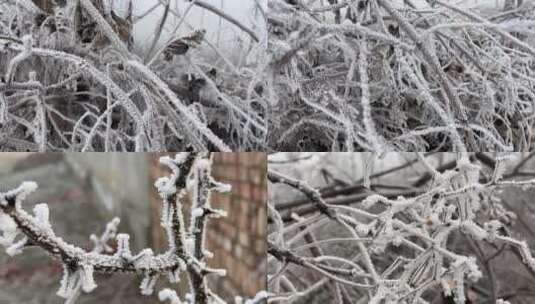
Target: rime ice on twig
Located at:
point(400, 75)
point(87, 55)
point(404, 243)
point(79, 266)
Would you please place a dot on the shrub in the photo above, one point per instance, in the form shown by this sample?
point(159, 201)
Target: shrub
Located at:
point(435, 235)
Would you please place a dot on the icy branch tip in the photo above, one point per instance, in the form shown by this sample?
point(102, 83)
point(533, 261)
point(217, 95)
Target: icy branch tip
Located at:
point(181, 157)
point(169, 295)
point(20, 193)
point(28, 187)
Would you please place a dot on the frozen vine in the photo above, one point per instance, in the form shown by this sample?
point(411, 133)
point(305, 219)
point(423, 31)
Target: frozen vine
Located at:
point(186, 253)
point(402, 248)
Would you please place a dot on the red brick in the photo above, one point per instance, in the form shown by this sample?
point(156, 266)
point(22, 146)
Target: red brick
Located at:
point(260, 247)
point(261, 222)
point(244, 238)
point(245, 191)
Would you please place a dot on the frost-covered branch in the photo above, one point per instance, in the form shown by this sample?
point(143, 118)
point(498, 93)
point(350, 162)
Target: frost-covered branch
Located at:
point(190, 173)
point(407, 75)
point(395, 248)
point(91, 92)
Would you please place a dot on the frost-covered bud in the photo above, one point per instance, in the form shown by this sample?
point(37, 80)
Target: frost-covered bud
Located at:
point(397, 240)
point(67, 284)
point(142, 260)
point(208, 254)
point(216, 213)
point(174, 275)
point(259, 297)
point(221, 187)
point(197, 212)
point(181, 158)
point(42, 216)
point(147, 284)
point(169, 162)
point(169, 295)
point(220, 272)
point(8, 227)
point(475, 231)
point(112, 226)
point(165, 186)
point(16, 248)
point(86, 276)
point(19, 194)
point(123, 246)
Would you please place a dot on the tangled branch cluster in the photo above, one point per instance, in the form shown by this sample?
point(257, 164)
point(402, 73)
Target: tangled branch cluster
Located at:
point(71, 81)
point(376, 75)
point(397, 248)
point(186, 251)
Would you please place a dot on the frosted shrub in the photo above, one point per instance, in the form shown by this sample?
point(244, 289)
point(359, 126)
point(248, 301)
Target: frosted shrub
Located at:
point(378, 75)
point(71, 78)
point(186, 252)
point(441, 236)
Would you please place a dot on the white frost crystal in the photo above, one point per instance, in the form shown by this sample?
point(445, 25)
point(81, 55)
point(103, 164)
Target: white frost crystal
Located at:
point(197, 212)
point(88, 282)
point(8, 227)
point(223, 188)
point(42, 215)
point(147, 284)
point(174, 275)
point(169, 295)
point(261, 295)
point(181, 158)
point(123, 246)
point(16, 248)
point(190, 245)
point(165, 186)
point(25, 189)
point(68, 283)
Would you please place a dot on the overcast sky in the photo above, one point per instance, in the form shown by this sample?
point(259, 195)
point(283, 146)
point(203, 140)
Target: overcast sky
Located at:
point(197, 17)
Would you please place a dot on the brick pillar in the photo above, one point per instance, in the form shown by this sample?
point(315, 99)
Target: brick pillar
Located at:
point(239, 240)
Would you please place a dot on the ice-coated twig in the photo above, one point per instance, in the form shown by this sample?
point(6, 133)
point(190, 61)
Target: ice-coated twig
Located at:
point(83, 49)
point(79, 265)
point(186, 113)
point(431, 69)
point(404, 241)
